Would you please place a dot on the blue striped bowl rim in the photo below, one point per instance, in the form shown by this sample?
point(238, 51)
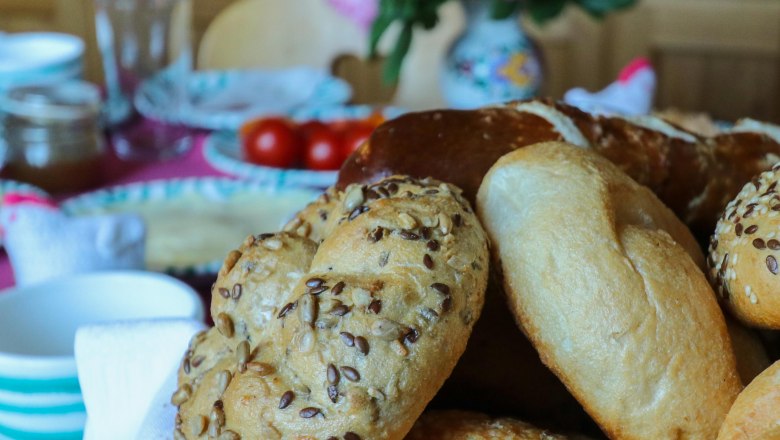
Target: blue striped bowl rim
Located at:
point(43, 426)
point(40, 385)
point(211, 188)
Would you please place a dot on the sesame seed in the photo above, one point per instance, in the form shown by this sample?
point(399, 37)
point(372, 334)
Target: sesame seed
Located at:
point(237, 289)
point(446, 304)
point(433, 245)
point(759, 244)
point(738, 229)
point(197, 360)
point(351, 436)
point(224, 293)
point(773, 244)
point(751, 229)
point(351, 374)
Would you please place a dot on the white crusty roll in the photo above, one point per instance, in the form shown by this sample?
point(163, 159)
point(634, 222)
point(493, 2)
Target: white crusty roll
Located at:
point(744, 257)
point(756, 413)
point(608, 285)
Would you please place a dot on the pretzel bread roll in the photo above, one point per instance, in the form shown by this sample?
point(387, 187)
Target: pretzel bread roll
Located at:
point(744, 256)
point(756, 412)
point(348, 337)
point(607, 284)
point(465, 425)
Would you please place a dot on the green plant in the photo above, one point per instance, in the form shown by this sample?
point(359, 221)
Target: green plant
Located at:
point(425, 13)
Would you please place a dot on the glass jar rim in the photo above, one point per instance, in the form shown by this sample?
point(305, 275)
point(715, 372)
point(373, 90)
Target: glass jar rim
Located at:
point(66, 101)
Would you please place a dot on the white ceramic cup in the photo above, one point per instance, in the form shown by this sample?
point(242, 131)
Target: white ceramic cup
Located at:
point(39, 391)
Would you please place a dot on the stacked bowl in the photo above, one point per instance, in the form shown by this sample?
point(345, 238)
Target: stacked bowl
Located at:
point(39, 58)
point(40, 396)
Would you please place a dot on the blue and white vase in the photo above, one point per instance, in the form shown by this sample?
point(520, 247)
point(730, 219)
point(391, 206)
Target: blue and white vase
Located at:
point(492, 61)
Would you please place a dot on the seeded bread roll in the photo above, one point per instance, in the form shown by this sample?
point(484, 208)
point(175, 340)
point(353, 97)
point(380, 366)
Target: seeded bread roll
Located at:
point(756, 412)
point(500, 372)
point(347, 338)
point(464, 425)
point(608, 285)
point(745, 251)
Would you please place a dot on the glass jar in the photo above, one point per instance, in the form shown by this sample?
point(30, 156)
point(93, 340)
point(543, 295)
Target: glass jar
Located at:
point(52, 136)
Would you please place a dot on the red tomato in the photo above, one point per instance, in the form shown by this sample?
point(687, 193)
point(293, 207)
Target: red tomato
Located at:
point(323, 150)
point(272, 142)
point(354, 137)
point(307, 128)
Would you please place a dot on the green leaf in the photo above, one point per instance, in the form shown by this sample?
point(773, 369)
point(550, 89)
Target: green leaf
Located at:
point(393, 64)
point(544, 10)
point(378, 28)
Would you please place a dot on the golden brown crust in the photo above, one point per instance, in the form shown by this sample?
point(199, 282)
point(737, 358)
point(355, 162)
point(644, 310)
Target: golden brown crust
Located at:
point(756, 412)
point(607, 284)
point(744, 256)
point(464, 425)
point(349, 338)
point(749, 351)
point(694, 175)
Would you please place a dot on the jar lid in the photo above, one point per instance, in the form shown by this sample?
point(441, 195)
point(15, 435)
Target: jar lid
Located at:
point(67, 101)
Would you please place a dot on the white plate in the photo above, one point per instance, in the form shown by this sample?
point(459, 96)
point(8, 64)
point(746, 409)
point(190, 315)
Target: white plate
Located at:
point(193, 223)
point(223, 100)
point(222, 150)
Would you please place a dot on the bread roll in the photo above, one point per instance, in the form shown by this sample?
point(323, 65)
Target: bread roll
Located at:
point(744, 258)
point(749, 351)
point(517, 384)
point(756, 412)
point(346, 338)
point(695, 176)
point(464, 425)
point(607, 284)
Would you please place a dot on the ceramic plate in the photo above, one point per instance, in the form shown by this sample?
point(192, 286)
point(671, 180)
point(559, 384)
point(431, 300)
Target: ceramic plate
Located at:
point(8, 186)
point(193, 223)
point(222, 150)
point(223, 100)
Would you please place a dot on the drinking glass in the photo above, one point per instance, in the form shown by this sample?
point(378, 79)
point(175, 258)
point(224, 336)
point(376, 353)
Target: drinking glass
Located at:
point(145, 47)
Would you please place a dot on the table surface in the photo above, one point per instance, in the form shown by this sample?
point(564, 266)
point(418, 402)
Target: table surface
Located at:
point(117, 172)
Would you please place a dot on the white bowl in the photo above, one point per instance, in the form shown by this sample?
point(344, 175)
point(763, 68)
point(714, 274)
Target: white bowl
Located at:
point(39, 390)
point(39, 58)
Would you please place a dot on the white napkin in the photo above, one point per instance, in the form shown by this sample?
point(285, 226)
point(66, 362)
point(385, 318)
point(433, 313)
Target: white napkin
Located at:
point(43, 242)
point(631, 95)
point(127, 373)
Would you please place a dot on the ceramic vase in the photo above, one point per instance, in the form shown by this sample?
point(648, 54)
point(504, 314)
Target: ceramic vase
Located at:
point(492, 61)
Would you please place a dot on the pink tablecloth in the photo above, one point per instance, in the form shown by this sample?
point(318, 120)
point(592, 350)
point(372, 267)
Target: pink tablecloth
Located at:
point(191, 164)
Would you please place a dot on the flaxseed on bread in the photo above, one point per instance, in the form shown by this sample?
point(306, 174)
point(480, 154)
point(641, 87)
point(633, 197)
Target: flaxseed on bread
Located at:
point(346, 337)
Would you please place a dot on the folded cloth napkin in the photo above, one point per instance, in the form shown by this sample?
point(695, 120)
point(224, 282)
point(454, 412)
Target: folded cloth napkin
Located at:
point(631, 95)
point(43, 242)
point(127, 373)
